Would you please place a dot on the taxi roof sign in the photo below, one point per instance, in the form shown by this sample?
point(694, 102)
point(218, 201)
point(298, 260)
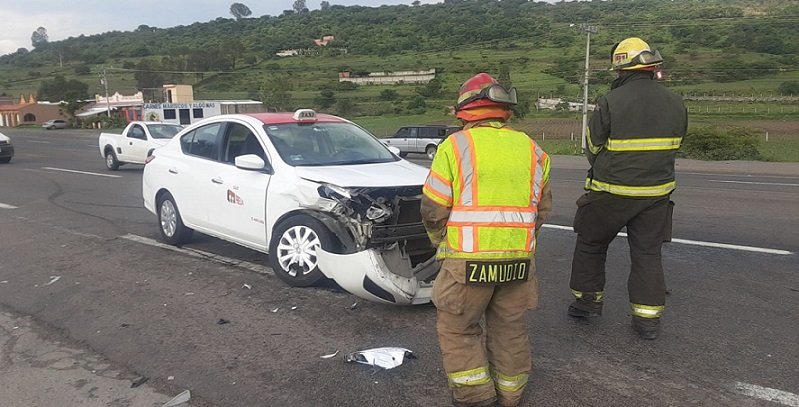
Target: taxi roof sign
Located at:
point(305, 115)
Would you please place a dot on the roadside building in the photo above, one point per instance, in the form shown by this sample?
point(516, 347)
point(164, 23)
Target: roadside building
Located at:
point(28, 110)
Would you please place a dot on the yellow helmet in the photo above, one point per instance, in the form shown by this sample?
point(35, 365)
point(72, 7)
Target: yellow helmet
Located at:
point(634, 53)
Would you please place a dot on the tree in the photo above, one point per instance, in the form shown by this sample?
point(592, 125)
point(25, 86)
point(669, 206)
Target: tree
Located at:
point(324, 5)
point(389, 94)
point(39, 38)
point(299, 6)
point(789, 88)
point(240, 11)
point(60, 89)
point(504, 76)
point(276, 94)
point(326, 99)
point(416, 3)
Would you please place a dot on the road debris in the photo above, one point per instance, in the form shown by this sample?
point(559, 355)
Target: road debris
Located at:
point(275, 310)
point(4, 282)
point(247, 286)
point(170, 378)
point(354, 305)
point(329, 356)
point(138, 381)
point(294, 307)
point(222, 321)
point(189, 294)
point(53, 279)
point(179, 399)
point(387, 358)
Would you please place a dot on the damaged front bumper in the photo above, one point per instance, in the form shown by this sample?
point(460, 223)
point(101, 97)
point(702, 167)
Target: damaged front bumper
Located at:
point(382, 275)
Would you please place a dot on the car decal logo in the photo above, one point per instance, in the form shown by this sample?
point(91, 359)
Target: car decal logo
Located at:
point(233, 198)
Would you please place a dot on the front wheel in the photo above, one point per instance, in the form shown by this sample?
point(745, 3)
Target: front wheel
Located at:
point(431, 151)
point(172, 228)
point(293, 248)
point(111, 161)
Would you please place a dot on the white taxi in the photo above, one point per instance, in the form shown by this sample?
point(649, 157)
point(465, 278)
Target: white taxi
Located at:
point(317, 193)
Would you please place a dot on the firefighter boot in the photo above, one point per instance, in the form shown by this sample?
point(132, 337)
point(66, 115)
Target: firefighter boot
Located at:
point(646, 328)
point(588, 305)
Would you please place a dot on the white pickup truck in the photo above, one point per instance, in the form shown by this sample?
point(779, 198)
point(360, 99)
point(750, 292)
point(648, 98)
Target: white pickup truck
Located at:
point(135, 143)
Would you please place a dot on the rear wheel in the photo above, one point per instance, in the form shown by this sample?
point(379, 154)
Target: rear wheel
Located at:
point(5, 160)
point(293, 250)
point(172, 228)
point(111, 161)
point(431, 151)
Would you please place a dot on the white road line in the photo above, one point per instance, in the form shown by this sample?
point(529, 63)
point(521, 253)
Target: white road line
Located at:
point(38, 141)
point(7, 206)
point(82, 172)
point(768, 394)
point(708, 174)
point(201, 254)
point(755, 183)
point(701, 243)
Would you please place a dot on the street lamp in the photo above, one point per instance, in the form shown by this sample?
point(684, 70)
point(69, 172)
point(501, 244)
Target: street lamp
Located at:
point(589, 29)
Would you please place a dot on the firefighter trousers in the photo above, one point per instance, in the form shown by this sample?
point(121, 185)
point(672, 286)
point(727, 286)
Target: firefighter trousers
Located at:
point(479, 371)
point(600, 216)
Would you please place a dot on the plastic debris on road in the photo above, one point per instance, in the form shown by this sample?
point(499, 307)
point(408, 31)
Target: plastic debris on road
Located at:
point(179, 399)
point(329, 356)
point(247, 286)
point(387, 358)
point(53, 279)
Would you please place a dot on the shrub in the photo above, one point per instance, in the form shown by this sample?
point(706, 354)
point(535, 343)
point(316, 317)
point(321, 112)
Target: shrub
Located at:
point(721, 143)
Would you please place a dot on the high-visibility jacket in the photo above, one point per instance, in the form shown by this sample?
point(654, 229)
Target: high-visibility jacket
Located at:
point(492, 178)
point(635, 131)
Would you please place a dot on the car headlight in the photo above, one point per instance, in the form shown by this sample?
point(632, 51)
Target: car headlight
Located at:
point(331, 191)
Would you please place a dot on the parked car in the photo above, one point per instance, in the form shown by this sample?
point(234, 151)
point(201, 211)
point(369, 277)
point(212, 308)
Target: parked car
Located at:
point(55, 124)
point(6, 149)
point(319, 194)
point(136, 142)
point(420, 139)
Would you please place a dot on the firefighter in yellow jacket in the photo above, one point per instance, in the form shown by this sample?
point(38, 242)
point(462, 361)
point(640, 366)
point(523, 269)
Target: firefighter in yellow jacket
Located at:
point(485, 198)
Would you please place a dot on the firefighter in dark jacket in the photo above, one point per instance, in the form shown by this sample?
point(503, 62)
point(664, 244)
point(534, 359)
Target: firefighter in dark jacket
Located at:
point(634, 134)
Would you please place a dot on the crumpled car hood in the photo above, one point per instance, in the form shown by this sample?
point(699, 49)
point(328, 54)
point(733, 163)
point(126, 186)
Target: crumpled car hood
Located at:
point(398, 173)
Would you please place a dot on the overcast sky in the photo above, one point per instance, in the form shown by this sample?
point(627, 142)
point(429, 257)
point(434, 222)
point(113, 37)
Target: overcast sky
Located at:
point(71, 18)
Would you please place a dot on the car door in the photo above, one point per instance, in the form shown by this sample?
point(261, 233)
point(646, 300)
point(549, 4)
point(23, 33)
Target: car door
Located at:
point(191, 181)
point(399, 139)
point(237, 201)
point(134, 148)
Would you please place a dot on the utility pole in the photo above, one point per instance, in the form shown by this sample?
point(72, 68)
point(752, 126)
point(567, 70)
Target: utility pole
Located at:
point(104, 82)
point(589, 29)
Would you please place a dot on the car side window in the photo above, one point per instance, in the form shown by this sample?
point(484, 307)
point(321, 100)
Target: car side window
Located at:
point(414, 132)
point(137, 132)
point(202, 142)
point(403, 133)
point(241, 141)
point(428, 132)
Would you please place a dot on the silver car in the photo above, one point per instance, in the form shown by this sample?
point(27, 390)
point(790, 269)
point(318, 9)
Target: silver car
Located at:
point(420, 139)
point(55, 124)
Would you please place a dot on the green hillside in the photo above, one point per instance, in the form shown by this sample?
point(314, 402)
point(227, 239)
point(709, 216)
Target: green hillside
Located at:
point(712, 47)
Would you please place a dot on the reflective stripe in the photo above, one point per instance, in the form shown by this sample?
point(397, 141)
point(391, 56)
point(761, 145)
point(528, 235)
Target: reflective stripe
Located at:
point(468, 239)
point(438, 189)
point(463, 146)
point(461, 216)
point(509, 383)
point(474, 377)
point(655, 190)
point(643, 144)
point(647, 311)
point(597, 295)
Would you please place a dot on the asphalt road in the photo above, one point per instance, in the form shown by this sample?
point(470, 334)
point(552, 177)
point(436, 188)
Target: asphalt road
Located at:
point(729, 332)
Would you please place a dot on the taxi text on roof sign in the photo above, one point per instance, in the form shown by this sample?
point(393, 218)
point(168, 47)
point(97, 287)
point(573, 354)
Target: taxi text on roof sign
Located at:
point(303, 115)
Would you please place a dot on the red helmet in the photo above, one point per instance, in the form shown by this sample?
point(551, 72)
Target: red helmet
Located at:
point(482, 90)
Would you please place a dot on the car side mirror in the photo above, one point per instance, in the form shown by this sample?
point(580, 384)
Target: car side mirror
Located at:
point(252, 162)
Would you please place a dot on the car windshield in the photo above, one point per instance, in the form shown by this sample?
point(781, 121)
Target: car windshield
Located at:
point(164, 131)
point(321, 144)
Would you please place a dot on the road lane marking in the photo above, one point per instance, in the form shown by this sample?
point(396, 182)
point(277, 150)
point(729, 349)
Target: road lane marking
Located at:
point(780, 184)
point(201, 254)
point(708, 174)
point(38, 141)
point(701, 243)
point(81, 172)
point(7, 206)
point(764, 393)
